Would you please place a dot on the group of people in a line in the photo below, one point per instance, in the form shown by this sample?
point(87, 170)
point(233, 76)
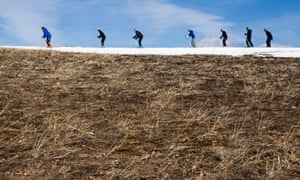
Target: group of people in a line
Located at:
point(139, 37)
point(224, 37)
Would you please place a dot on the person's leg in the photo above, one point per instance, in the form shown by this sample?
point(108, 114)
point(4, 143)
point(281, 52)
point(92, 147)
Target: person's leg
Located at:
point(48, 41)
point(193, 42)
point(140, 42)
point(247, 43)
point(102, 41)
point(268, 42)
point(224, 42)
point(251, 44)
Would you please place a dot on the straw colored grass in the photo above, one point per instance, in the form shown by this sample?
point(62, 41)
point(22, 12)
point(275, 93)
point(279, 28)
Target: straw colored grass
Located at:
point(87, 116)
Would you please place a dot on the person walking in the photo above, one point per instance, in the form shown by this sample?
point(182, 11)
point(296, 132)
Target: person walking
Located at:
point(192, 35)
point(269, 37)
point(138, 36)
point(101, 36)
point(248, 35)
point(224, 37)
point(47, 35)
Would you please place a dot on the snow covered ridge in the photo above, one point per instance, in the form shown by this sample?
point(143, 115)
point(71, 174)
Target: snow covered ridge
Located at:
point(274, 52)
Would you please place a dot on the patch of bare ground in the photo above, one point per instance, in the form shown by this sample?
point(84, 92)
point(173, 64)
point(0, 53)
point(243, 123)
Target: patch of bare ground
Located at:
point(86, 116)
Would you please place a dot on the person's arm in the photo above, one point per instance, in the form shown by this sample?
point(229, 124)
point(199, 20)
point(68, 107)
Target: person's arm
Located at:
point(44, 34)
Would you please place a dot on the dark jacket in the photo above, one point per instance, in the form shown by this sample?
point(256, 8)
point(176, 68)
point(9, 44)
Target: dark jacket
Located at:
point(249, 33)
point(269, 35)
point(101, 34)
point(224, 35)
point(191, 34)
point(138, 34)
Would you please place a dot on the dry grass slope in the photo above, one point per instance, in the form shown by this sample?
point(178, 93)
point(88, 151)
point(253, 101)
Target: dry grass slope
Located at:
point(86, 116)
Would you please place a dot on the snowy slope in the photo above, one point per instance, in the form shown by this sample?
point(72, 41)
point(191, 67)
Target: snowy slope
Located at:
point(275, 52)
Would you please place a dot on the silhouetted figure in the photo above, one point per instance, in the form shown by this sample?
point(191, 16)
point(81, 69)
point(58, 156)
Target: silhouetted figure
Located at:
point(101, 36)
point(47, 35)
point(269, 37)
point(224, 37)
point(138, 36)
point(192, 35)
point(248, 35)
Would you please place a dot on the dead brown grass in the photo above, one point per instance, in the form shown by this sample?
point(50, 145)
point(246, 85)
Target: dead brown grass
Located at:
point(86, 116)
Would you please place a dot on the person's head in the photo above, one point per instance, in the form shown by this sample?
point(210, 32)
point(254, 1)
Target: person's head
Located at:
point(134, 29)
point(98, 29)
point(42, 27)
point(265, 30)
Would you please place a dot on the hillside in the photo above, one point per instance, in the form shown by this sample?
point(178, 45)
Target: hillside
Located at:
point(88, 116)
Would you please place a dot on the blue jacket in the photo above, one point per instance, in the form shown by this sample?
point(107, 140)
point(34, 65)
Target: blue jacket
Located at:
point(47, 34)
point(191, 34)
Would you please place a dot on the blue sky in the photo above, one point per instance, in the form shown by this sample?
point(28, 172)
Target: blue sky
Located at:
point(163, 22)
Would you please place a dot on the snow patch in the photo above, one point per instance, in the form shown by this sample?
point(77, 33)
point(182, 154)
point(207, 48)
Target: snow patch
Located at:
point(230, 51)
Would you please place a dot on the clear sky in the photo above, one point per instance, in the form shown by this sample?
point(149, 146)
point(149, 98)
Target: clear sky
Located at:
point(164, 23)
